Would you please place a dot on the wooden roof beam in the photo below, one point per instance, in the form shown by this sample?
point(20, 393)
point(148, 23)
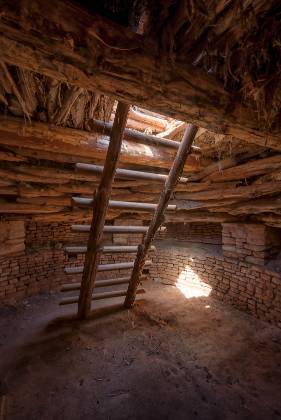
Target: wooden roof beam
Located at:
point(106, 57)
point(69, 144)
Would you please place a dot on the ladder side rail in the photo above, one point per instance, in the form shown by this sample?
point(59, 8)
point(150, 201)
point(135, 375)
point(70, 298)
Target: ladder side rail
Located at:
point(158, 217)
point(100, 206)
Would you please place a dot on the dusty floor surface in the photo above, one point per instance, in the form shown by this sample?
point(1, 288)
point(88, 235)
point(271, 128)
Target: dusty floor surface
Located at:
point(169, 358)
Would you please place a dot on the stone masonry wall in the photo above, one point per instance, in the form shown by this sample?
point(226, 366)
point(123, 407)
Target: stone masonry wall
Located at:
point(250, 242)
point(231, 277)
point(253, 289)
point(40, 264)
point(207, 233)
point(28, 274)
point(42, 233)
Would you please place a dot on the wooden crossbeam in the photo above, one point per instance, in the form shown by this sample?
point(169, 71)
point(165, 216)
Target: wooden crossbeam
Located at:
point(127, 173)
point(112, 249)
point(113, 204)
point(99, 283)
point(158, 217)
point(106, 267)
point(99, 296)
point(99, 211)
point(103, 55)
point(111, 229)
point(105, 128)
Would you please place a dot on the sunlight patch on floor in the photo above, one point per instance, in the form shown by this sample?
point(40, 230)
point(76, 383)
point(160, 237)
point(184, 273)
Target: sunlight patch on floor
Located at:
point(190, 284)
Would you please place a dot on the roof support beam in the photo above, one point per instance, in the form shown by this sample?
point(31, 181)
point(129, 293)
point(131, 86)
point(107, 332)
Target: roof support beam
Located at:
point(103, 56)
point(64, 144)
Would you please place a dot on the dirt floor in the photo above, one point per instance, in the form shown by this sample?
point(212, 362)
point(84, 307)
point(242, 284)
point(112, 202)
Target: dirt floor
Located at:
point(169, 358)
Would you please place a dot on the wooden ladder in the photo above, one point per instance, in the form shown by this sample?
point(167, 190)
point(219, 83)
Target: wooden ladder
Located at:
point(100, 203)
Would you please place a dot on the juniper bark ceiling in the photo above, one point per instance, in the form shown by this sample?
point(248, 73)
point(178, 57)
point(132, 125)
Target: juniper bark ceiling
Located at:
point(88, 51)
point(63, 62)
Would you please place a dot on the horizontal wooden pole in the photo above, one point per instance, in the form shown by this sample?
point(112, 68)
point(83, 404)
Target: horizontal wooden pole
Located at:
point(63, 144)
point(105, 128)
point(75, 249)
point(130, 205)
point(109, 58)
point(112, 229)
point(99, 283)
point(155, 122)
point(110, 249)
point(99, 296)
point(127, 173)
point(105, 267)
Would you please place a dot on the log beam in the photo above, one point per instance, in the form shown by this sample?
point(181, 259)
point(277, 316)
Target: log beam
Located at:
point(76, 144)
point(106, 57)
point(105, 128)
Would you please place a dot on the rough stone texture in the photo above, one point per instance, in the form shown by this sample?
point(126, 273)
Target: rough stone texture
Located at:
point(41, 267)
point(26, 275)
point(233, 277)
point(12, 237)
point(131, 239)
point(254, 243)
point(253, 289)
point(42, 233)
point(206, 233)
point(42, 271)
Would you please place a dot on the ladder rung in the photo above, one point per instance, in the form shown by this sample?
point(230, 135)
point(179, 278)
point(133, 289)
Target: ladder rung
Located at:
point(99, 296)
point(106, 249)
point(129, 205)
point(126, 173)
point(75, 249)
point(120, 248)
point(112, 229)
point(105, 267)
point(105, 128)
point(99, 283)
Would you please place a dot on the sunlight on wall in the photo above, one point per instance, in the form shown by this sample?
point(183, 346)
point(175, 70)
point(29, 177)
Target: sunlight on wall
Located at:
point(190, 284)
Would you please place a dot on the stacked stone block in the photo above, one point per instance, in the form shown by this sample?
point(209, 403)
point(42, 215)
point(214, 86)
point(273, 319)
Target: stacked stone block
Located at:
point(250, 242)
point(207, 233)
point(253, 289)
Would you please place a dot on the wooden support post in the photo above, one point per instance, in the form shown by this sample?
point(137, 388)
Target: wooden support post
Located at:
point(99, 211)
point(158, 216)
